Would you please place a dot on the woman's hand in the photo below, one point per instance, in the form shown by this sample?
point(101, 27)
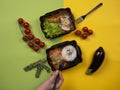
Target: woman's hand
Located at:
point(48, 85)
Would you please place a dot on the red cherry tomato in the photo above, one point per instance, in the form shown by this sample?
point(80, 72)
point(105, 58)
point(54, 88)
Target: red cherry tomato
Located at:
point(25, 38)
point(84, 35)
point(26, 25)
point(31, 36)
point(42, 44)
point(90, 32)
point(20, 21)
point(78, 32)
point(31, 44)
point(37, 40)
point(27, 31)
point(85, 29)
point(36, 48)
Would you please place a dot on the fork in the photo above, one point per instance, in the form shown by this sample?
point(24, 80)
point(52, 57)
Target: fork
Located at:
point(60, 68)
point(81, 18)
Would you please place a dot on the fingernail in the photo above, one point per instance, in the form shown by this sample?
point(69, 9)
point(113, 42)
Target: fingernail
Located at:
point(57, 71)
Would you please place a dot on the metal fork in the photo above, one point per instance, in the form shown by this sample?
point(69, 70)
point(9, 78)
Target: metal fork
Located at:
point(60, 68)
point(81, 18)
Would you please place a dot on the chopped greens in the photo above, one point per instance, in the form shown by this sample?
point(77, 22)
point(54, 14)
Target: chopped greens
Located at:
point(52, 29)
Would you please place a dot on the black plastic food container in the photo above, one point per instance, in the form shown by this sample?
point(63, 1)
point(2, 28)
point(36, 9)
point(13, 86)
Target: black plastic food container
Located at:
point(68, 52)
point(57, 23)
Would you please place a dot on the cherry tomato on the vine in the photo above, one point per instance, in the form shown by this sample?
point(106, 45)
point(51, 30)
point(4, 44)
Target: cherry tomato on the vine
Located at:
point(84, 35)
point(20, 20)
point(85, 29)
point(37, 40)
point(26, 25)
point(36, 48)
point(31, 44)
point(31, 36)
point(28, 37)
point(90, 32)
point(78, 32)
point(42, 44)
point(27, 31)
point(25, 38)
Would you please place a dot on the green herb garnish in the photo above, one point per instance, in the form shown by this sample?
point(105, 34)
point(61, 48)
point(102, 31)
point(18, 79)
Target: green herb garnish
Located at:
point(40, 65)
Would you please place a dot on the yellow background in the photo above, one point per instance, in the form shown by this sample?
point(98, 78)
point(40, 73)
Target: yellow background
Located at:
point(15, 54)
point(105, 22)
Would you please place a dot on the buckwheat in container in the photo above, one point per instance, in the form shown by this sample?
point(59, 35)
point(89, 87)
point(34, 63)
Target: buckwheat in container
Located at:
point(67, 52)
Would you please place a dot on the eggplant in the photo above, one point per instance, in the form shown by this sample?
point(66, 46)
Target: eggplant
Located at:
point(96, 61)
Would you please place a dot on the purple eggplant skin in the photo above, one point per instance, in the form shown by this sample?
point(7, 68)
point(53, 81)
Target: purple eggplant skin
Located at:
point(97, 61)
